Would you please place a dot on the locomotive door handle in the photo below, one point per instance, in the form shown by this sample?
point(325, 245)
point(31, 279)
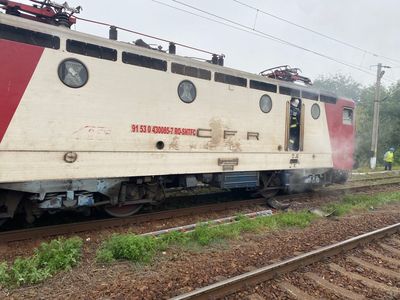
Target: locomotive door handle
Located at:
point(287, 122)
point(301, 144)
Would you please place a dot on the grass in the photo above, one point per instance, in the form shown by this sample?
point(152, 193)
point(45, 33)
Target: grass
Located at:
point(142, 249)
point(352, 203)
point(48, 259)
point(130, 247)
point(63, 254)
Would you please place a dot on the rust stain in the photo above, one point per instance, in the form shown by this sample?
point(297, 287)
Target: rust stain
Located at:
point(174, 144)
point(217, 134)
point(233, 144)
point(217, 137)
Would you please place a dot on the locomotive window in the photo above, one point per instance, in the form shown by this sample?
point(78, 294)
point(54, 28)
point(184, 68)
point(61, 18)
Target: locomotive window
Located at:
point(91, 50)
point(265, 104)
point(73, 73)
point(29, 37)
point(347, 116)
point(289, 91)
point(144, 61)
point(315, 111)
point(187, 91)
point(328, 99)
point(263, 86)
point(309, 95)
point(229, 79)
point(190, 71)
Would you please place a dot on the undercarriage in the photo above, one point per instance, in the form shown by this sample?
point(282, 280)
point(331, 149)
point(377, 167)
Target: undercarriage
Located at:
point(123, 197)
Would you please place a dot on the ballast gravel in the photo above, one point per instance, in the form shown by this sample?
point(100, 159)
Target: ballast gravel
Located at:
point(177, 271)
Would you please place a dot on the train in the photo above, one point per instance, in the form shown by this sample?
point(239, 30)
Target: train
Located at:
point(89, 122)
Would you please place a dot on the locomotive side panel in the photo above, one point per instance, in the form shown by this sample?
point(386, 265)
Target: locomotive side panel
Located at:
point(115, 122)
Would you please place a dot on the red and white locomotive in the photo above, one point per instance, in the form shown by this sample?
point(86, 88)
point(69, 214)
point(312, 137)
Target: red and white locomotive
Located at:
point(93, 122)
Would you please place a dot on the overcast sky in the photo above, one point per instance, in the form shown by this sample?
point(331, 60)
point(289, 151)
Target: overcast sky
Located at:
point(372, 25)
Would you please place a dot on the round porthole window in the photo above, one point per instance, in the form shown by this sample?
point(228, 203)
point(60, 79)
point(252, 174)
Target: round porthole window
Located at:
point(315, 111)
point(73, 73)
point(187, 91)
point(265, 103)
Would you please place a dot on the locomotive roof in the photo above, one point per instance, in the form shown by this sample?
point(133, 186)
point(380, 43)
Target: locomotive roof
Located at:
point(66, 33)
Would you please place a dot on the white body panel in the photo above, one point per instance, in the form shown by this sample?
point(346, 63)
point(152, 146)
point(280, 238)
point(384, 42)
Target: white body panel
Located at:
point(95, 121)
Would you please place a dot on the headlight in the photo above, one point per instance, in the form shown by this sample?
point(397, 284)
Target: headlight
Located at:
point(265, 103)
point(315, 111)
point(187, 91)
point(73, 73)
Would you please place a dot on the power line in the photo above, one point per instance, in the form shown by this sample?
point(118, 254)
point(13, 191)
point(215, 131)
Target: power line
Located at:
point(263, 34)
point(316, 32)
point(216, 21)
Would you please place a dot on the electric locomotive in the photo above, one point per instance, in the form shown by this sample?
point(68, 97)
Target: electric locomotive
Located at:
point(91, 122)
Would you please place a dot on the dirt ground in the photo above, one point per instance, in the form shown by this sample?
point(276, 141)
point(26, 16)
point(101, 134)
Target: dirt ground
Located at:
point(177, 271)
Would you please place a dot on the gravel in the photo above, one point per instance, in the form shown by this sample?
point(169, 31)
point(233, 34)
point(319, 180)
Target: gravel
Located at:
point(177, 271)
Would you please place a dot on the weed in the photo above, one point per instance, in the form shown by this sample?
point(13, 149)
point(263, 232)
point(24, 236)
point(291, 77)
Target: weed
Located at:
point(174, 238)
point(47, 260)
point(4, 276)
point(59, 254)
point(105, 255)
point(294, 219)
point(362, 202)
point(128, 246)
point(142, 249)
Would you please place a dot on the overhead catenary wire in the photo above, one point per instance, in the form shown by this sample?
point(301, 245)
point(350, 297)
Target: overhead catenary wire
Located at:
point(266, 35)
point(239, 26)
point(215, 21)
point(258, 10)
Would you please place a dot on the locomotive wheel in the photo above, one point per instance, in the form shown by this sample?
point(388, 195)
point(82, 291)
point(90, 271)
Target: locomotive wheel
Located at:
point(270, 185)
point(123, 211)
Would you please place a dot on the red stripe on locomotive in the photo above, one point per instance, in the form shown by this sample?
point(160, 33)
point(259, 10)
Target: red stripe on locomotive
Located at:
point(342, 136)
point(18, 62)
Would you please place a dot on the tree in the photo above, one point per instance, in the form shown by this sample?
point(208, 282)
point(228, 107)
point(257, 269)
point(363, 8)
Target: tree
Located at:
point(340, 85)
point(389, 123)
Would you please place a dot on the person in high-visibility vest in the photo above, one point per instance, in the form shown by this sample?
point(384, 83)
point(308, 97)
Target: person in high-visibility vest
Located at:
point(389, 158)
point(294, 130)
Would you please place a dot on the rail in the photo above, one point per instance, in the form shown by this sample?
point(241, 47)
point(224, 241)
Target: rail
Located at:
point(229, 286)
point(70, 228)
point(63, 229)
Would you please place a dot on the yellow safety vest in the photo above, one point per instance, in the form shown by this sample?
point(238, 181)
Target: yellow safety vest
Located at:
point(388, 157)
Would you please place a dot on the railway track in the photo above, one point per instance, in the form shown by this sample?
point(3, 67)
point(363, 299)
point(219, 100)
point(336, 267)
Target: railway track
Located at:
point(86, 226)
point(63, 229)
point(386, 288)
point(388, 177)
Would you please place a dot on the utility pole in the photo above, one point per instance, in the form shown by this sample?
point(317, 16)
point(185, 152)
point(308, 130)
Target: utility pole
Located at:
point(375, 124)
